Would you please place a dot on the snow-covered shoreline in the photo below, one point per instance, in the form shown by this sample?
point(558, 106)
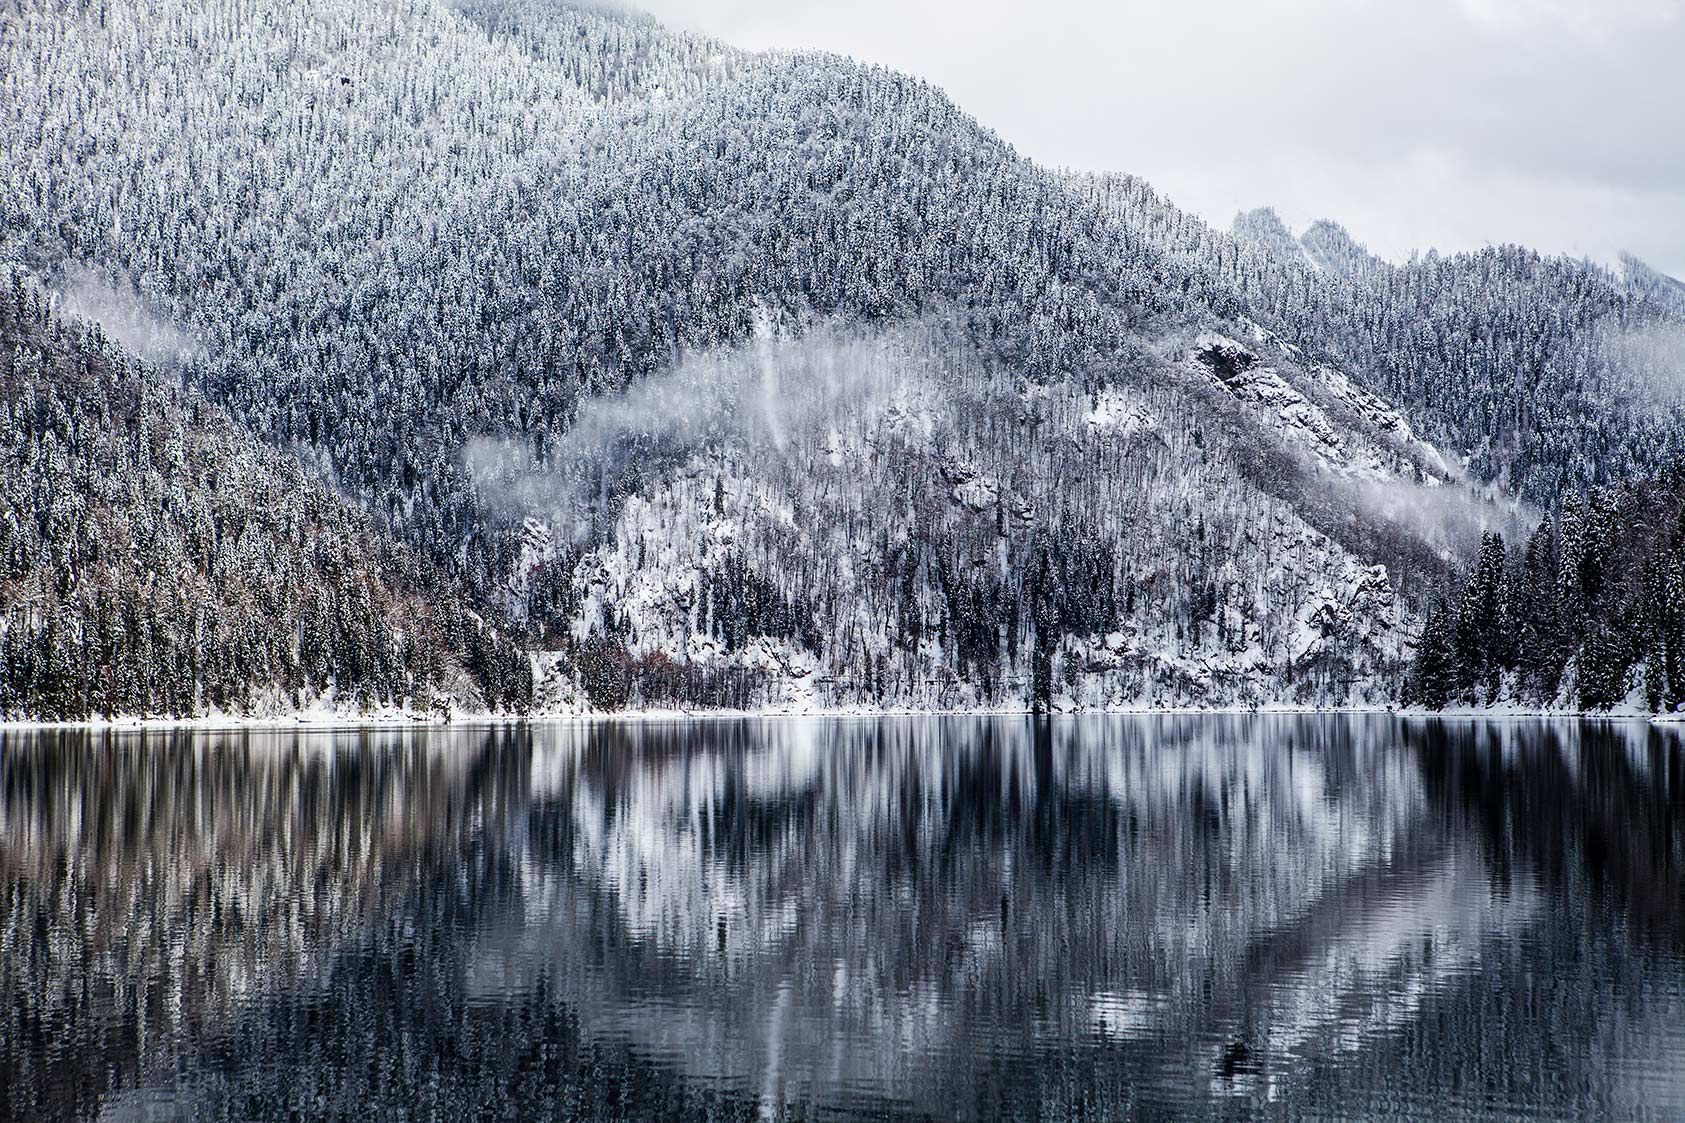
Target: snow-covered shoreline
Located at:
point(324, 722)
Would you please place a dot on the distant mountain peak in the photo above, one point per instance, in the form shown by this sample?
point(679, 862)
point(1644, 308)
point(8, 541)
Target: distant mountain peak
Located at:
point(1263, 226)
point(1650, 282)
point(1333, 249)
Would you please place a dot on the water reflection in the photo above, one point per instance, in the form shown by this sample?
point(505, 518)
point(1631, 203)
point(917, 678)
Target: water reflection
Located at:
point(945, 917)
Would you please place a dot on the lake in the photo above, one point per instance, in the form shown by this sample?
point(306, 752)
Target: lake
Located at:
point(951, 918)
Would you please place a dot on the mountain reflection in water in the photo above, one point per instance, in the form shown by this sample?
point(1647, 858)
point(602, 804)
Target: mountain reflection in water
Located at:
point(942, 917)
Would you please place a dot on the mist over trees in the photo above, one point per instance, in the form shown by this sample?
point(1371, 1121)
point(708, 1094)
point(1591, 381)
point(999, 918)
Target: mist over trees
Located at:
point(958, 537)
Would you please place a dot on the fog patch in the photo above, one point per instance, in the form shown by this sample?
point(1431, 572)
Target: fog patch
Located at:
point(759, 396)
point(1451, 518)
point(1653, 357)
point(123, 316)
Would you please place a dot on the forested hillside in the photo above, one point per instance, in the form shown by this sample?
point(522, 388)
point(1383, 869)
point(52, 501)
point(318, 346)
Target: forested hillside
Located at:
point(156, 560)
point(939, 532)
point(1544, 375)
point(1587, 613)
point(465, 260)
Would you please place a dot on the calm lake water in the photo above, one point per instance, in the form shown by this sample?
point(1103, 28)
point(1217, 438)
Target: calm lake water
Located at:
point(950, 918)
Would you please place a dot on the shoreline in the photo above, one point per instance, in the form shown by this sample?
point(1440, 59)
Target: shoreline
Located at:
point(328, 722)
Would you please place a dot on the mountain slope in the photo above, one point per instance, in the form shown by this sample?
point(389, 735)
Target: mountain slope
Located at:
point(158, 561)
point(503, 244)
point(944, 534)
point(1544, 375)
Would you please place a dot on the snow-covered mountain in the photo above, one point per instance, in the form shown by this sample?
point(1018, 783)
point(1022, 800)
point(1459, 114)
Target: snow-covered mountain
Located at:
point(943, 533)
point(775, 379)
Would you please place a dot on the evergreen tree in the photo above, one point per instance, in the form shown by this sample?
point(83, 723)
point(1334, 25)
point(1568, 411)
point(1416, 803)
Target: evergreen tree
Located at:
point(1433, 681)
point(1605, 658)
point(1482, 627)
point(1535, 616)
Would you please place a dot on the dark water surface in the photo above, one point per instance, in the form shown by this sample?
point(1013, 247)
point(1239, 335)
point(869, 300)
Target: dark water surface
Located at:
point(954, 918)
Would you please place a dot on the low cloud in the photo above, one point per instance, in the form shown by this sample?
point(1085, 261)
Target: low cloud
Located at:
point(1653, 357)
point(759, 395)
point(124, 318)
point(1450, 518)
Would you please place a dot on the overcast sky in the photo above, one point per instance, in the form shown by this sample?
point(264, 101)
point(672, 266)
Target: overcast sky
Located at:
point(1415, 123)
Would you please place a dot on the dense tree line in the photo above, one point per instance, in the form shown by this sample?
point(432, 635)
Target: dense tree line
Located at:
point(1588, 613)
point(154, 559)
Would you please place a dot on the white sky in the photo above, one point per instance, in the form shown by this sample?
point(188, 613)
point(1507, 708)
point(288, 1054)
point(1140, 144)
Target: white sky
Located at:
point(1415, 123)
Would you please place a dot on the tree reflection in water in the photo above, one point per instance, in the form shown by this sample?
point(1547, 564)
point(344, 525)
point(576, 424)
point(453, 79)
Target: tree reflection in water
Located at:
point(954, 917)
